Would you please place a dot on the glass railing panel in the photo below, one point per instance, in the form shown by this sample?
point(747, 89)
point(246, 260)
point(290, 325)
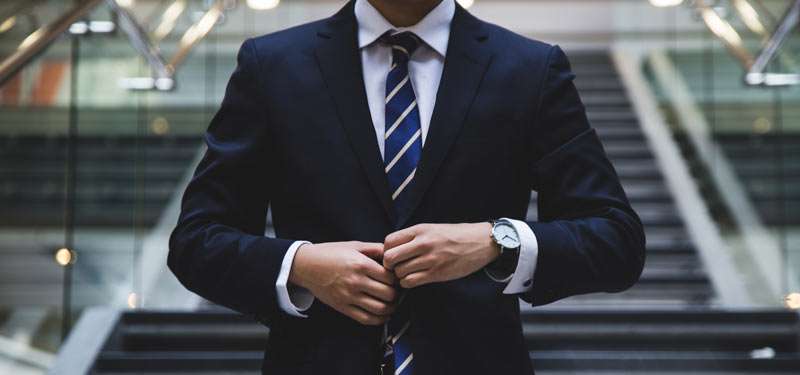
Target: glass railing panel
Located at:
point(137, 147)
point(37, 238)
point(756, 130)
point(95, 169)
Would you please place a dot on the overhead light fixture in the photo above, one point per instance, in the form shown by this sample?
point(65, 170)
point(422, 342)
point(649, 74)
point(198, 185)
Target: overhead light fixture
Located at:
point(79, 28)
point(466, 3)
point(263, 4)
point(772, 79)
point(147, 83)
point(125, 3)
point(95, 27)
point(101, 27)
point(665, 3)
point(64, 257)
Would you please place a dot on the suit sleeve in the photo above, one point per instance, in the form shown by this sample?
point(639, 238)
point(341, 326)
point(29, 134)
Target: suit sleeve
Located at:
point(218, 248)
point(589, 237)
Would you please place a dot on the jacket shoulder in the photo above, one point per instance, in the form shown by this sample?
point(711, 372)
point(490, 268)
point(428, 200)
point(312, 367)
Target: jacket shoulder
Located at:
point(297, 38)
point(512, 42)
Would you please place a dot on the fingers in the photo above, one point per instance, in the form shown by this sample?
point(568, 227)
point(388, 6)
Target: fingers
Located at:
point(374, 306)
point(400, 237)
point(370, 249)
point(373, 267)
point(364, 317)
point(377, 272)
point(380, 291)
point(412, 265)
point(417, 279)
point(401, 253)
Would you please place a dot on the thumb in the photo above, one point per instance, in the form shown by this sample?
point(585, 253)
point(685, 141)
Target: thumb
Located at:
point(372, 250)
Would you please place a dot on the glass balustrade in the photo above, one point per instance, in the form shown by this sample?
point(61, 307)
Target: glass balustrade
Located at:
point(753, 131)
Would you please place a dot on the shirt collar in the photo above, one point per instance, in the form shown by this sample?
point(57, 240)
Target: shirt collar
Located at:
point(433, 29)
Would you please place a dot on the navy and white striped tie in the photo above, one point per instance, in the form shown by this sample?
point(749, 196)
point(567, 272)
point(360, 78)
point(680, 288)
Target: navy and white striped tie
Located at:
point(403, 149)
point(403, 137)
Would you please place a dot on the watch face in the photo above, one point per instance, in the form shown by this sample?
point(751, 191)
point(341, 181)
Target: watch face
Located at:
point(506, 236)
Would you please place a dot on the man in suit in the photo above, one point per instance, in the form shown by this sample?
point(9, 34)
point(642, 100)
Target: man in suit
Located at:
point(397, 144)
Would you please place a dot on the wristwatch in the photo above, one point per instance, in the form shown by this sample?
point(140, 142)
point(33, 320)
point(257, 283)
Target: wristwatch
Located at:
point(505, 235)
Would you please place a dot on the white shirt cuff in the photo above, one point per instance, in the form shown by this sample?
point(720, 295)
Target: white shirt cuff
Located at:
point(292, 299)
point(521, 280)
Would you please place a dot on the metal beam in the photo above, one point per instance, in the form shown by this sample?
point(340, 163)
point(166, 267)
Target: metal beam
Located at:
point(38, 41)
point(757, 75)
point(755, 66)
point(162, 73)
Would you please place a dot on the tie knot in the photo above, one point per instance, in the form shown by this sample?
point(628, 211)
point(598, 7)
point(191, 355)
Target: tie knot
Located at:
point(403, 44)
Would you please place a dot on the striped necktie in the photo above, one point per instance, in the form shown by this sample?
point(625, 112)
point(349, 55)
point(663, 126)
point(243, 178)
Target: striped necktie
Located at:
point(403, 137)
point(403, 149)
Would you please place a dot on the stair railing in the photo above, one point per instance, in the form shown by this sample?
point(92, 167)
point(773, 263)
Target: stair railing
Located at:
point(755, 66)
point(43, 37)
point(163, 71)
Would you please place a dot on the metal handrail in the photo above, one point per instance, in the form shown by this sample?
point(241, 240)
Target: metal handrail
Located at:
point(755, 66)
point(756, 74)
point(163, 71)
point(197, 32)
point(43, 37)
point(141, 43)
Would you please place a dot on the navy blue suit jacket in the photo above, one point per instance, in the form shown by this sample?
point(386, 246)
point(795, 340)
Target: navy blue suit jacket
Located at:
point(294, 133)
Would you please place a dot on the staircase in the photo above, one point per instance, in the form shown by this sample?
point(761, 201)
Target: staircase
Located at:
point(768, 165)
point(123, 183)
point(666, 324)
point(122, 180)
point(561, 342)
point(673, 276)
point(755, 128)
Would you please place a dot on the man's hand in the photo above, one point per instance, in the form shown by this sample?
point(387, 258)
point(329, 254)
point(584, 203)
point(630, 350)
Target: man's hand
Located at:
point(348, 277)
point(428, 253)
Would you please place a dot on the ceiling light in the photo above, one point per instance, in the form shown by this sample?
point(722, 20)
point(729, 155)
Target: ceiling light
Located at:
point(665, 3)
point(64, 257)
point(263, 4)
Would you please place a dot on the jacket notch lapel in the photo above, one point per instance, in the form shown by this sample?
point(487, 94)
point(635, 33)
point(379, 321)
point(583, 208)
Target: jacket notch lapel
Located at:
point(467, 60)
point(340, 63)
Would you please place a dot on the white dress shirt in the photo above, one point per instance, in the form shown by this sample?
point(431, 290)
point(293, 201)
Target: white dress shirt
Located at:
point(425, 68)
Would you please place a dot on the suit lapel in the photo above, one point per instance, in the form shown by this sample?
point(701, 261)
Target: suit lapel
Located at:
point(465, 64)
point(340, 62)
